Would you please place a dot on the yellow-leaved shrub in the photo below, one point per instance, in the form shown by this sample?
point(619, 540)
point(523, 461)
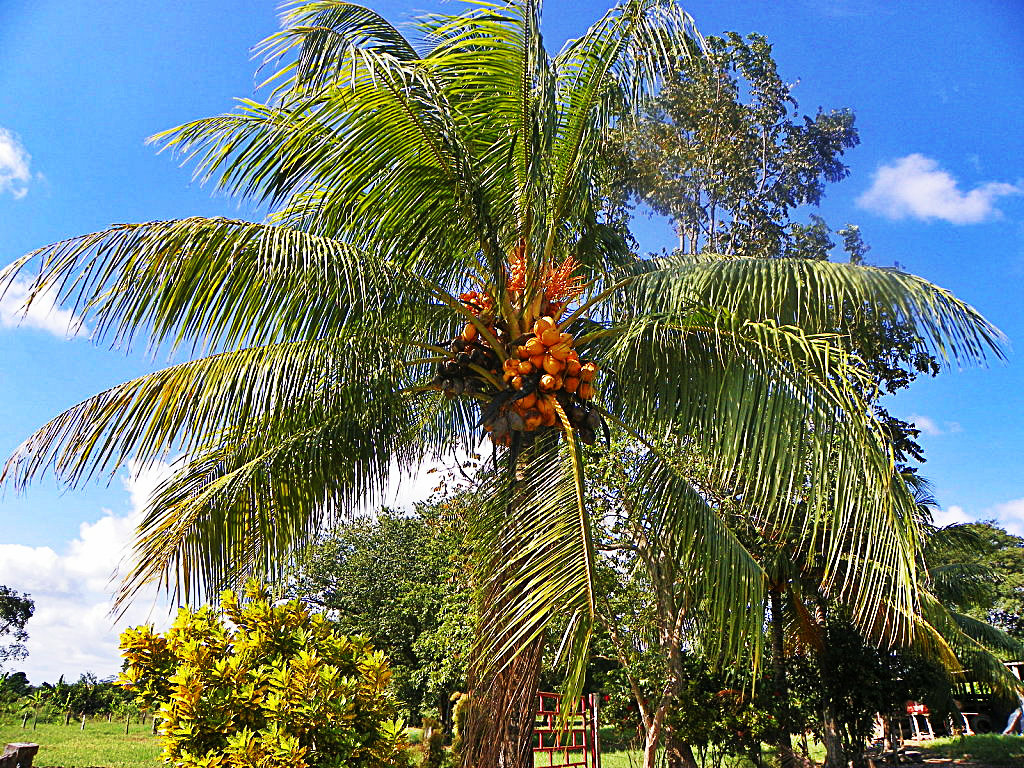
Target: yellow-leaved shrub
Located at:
point(264, 684)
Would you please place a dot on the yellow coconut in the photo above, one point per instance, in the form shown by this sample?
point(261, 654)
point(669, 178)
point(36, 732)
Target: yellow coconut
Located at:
point(553, 365)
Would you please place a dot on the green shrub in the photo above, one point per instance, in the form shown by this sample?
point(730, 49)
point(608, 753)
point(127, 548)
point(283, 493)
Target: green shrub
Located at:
point(266, 685)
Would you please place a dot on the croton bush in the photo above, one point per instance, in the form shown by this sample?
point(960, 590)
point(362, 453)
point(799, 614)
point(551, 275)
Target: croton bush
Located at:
point(263, 684)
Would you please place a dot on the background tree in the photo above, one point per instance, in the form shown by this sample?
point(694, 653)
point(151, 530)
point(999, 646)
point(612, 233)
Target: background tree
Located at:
point(403, 581)
point(16, 609)
point(723, 153)
point(991, 564)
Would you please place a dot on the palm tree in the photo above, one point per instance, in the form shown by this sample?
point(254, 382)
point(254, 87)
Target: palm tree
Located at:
point(436, 264)
point(954, 581)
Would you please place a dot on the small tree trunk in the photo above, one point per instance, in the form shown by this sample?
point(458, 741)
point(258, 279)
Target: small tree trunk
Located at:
point(835, 756)
point(83, 721)
point(653, 735)
point(35, 718)
point(24, 720)
point(782, 743)
point(67, 717)
point(153, 729)
point(678, 753)
point(127, 722)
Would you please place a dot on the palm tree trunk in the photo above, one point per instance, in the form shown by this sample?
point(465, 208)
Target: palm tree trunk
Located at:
point(782, 743)
point(502, 712)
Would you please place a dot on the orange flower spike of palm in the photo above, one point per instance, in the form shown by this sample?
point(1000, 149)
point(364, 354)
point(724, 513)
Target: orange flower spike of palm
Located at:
point(516, 281)
point(563, 287)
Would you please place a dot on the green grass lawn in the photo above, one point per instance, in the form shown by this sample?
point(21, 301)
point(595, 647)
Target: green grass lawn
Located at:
point(100, 744)
point(988, 748)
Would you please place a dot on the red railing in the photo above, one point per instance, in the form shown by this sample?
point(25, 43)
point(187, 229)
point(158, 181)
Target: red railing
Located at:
point(575, 742)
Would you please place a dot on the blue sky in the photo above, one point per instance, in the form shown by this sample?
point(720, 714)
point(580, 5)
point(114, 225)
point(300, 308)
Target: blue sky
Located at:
point(935, 185)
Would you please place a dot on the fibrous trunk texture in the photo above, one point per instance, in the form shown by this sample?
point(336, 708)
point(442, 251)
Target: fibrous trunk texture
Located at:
point(502, 711)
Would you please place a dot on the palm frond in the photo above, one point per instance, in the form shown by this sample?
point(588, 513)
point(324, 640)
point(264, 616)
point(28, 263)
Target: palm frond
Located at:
point(623, 57)
point(217, 283)
point(246, 503)
point(538, 557)
point(976, 645)
point(180, 408)
point(721, 574)
point(777, 415)
point(322, 35)
point(815, 296)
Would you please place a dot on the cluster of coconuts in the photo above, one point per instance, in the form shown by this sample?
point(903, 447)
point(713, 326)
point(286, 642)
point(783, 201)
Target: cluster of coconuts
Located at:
point(546, 373)
point(459, 374)
point(542, 375)
point(549, 355)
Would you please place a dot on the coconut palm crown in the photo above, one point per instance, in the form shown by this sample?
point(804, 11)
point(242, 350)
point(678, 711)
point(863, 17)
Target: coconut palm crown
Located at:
point(435, 271)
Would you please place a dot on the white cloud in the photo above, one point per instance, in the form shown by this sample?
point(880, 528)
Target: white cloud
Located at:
point(950, 515)
point(1011, 515)
point(932, 428)
point(914, 186)
point(44, 313)
point(926, 425)
point(72, 630)
point(14, 165)
point(406, 489)
point(1008, 514)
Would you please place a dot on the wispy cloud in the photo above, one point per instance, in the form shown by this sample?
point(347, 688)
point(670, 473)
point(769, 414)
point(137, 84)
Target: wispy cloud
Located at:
point(44, 313)
point(72, 630)
point(15, 162)
point(1008, 514)
point(932, 428)
point(950, 515)
point(1011, 514)
point(916, 187)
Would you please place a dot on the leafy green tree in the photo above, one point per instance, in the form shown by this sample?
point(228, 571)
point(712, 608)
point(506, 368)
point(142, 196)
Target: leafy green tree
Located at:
point(15, 683)
point(982, 574)
point(403, 582)
point(437, 219)
point(264, 684)
point(16, 609)
point(723, 153)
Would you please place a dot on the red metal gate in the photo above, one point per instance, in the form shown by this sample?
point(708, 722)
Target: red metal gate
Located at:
point(577, 744)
